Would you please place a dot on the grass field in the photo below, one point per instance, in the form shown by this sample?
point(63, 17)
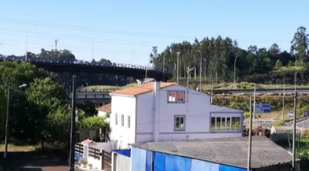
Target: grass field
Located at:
point(12, 147)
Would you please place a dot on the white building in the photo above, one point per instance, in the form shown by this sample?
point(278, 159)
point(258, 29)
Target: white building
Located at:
point(167, 111)
point(104, 110)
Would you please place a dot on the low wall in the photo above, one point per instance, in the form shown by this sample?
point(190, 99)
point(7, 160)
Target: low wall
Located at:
point(98, 156)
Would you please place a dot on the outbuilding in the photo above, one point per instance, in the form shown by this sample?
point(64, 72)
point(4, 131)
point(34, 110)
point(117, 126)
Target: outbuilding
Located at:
point(218, 154)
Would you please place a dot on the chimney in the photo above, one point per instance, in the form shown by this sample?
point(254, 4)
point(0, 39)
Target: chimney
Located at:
point(156, 110)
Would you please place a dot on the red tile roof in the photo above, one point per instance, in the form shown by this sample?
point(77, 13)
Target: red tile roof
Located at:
point(105, 108)
point(141, 89)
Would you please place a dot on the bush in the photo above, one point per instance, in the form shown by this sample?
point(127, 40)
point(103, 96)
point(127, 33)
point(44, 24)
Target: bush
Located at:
point(93, 122)
point(278, 123)
point(247, 114)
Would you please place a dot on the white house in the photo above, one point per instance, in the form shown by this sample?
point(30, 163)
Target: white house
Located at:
point(166, 111)
point(104, 110)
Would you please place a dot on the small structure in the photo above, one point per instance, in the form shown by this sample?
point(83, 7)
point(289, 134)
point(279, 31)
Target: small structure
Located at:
point(104, 110)
point(97, 155)
point(163, 111)
point(218, 154)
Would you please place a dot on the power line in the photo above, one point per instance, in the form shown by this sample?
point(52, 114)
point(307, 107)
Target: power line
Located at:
point(92, 29)
point(45, 35)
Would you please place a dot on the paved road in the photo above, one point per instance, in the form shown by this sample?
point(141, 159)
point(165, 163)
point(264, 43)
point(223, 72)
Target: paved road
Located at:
point(36, 162)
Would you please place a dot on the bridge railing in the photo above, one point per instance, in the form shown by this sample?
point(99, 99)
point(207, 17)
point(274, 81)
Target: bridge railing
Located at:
point(97, 90)
point(67, 61)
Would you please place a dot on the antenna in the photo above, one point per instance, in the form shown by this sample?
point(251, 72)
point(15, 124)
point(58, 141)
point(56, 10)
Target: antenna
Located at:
point(56, 43)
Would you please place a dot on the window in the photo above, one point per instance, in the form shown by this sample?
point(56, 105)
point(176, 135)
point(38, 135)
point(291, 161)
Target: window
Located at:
point(235, 123)
point(176, 96)
point(122, 120)
point(225, 124)
point(228, 123)
point(116, 119)
point(179, 123)
point(213, 124)
point(129, 120)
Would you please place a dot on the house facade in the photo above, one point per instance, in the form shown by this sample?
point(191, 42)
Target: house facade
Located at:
point(166, 111)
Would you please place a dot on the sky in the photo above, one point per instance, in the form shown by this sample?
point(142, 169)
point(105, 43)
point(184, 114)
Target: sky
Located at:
point(125, 31)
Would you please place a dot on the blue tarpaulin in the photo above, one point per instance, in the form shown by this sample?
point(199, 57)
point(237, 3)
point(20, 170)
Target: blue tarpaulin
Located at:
point(126, 152)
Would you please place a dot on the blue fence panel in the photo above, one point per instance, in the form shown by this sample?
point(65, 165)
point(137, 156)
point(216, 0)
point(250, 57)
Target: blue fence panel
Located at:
point(182, 163)
point(159, 161)
point(176, 163)
point(126, 152)
point(198, 165)
point(138, 159)
point(169, 160)
point(230, 168)
point(149, 161)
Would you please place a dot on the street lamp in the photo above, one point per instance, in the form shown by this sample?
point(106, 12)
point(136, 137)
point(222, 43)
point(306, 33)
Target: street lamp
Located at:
point(188, 75)
point(7, 125)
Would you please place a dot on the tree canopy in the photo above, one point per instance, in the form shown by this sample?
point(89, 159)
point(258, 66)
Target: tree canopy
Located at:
point(218, 56)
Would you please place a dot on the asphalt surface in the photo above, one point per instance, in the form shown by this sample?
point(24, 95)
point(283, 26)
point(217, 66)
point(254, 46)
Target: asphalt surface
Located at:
point(32, 161)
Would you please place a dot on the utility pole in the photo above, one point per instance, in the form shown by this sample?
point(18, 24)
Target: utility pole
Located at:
point(201, 61)
point(73, 120)
point(26, 45)
point(212, 89)
point(254, 94)
point(283, 101)
point(178, 67)
point(235, 70)
point(294, 118)
point(164, 65)
point(294, 131)
point(6, 130)
point(250, 138)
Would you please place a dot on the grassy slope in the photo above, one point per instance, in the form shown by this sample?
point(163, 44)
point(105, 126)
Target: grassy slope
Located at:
point(12, 147)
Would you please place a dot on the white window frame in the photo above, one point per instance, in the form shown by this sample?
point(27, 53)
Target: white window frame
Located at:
point(116, 119)
point(226, 127)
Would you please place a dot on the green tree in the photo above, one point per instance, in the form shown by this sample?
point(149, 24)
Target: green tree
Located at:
point(93, 122)
point(58, 125)
point(278, 64)
point(300, 44)
point(45, 96)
